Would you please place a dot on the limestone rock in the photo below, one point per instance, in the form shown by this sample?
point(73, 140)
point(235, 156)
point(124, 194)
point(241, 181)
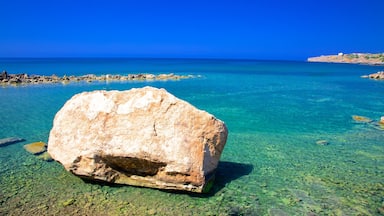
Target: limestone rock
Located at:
point(143, 137)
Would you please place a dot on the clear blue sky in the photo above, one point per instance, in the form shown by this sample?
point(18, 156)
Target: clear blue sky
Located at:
point(254, 29)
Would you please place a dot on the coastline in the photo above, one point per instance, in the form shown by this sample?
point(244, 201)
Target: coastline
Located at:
point(352, 58)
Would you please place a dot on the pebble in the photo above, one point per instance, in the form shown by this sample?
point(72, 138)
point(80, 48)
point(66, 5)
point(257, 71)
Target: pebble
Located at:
point(322, 142)
point(68, 202)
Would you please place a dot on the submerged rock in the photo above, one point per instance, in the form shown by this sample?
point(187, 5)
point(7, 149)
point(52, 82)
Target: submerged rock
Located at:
point(10, 140)
point(322, 142)
point(143, 137)
point(45, 156)
point(362, 119)
point(36, 147)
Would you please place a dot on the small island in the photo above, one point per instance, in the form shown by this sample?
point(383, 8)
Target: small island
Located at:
point(353, 58)
point(23, 79)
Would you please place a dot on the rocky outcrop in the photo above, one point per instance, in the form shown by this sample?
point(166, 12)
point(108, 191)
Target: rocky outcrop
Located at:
point(19, 79)
point(372, 123)
point(377, 76)
point(143, 137)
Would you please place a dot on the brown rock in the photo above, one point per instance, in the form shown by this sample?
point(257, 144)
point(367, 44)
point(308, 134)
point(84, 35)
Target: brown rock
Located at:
point(36, 147)
point(378, 76)
point(143, 137)
point(361, 119)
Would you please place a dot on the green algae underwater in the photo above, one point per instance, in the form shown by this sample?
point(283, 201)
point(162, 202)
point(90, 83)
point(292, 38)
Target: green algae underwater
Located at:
point(271, 165)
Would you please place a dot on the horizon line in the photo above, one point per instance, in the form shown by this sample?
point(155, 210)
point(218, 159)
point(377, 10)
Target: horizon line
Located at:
point(127, 57)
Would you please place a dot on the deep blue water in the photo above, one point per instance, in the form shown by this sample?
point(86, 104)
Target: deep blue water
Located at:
point(275, 112)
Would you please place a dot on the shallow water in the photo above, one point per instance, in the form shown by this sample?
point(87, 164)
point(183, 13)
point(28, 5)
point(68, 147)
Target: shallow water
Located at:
point(275, 112)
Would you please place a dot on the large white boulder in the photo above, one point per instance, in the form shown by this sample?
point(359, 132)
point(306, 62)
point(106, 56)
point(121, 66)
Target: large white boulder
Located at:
point(143, 137)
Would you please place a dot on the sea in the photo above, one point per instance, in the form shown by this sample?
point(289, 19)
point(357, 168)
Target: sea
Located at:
point(293, 147)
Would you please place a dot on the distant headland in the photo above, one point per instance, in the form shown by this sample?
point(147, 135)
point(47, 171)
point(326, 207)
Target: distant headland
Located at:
point(352, 58)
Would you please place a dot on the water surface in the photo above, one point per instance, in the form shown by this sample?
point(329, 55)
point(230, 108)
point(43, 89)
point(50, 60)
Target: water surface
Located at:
point(275, 112)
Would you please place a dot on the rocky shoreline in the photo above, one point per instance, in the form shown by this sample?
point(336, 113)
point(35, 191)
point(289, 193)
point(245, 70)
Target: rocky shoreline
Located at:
point(377, 76)
point(22, 79)
point(353, 58)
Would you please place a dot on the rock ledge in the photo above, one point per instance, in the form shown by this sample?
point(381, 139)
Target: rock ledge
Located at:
point(23, 79)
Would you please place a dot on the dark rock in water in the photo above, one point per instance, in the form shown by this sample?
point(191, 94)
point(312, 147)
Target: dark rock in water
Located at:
point(10, 140)
point(376, 125)
point(3, 75)
point(380, 210)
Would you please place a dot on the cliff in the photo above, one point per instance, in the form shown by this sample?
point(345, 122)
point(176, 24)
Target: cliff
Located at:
point(353, 58)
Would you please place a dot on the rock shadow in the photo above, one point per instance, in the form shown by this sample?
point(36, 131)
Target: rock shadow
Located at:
point(225, 173)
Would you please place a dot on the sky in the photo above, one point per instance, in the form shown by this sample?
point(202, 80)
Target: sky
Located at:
point(245, 29)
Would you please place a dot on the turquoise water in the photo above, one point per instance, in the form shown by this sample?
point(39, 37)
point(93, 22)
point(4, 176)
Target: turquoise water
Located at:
point(275, 112)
